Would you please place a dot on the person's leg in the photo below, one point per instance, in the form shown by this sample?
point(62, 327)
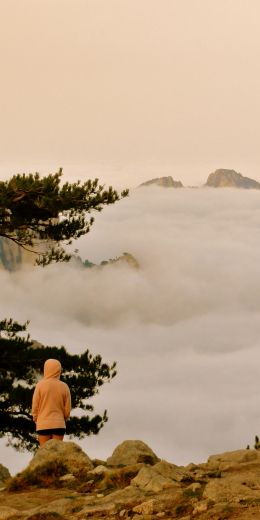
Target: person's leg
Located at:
point(43, 438)
point(57, 437)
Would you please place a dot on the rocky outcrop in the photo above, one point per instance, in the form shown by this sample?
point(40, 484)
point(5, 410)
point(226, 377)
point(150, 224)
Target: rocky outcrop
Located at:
point(132, 452)
point(164, 182)
point(67, 453)
point(227, 486)
point(125, 258)
point(223, 178)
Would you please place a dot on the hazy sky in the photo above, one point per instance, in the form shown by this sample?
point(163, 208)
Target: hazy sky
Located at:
point(184, 328)
point(129, 89)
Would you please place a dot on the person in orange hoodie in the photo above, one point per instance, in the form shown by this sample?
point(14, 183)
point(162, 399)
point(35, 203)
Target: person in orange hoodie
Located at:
point(51, 404)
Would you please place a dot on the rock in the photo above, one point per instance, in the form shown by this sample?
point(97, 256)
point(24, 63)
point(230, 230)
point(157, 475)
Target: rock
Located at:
point(234, 487)
point(165, 182)
point(231, 458)
point(59, 506)
point(132, 452)
point(195, 487)
point(123, 499)
point(223, 178)
point(68, 452)
point(200, 508)
point(67, 477)
point(99, 470)
point(146, 508)
point(7, 512)
point(4, 474)
point(148, 479)
point(168, 470)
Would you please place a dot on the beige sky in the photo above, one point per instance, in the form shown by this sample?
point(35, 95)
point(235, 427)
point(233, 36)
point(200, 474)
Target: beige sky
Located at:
point(129, 89)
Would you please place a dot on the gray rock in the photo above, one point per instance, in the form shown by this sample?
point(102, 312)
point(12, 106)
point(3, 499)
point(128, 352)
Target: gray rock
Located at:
point(132, 452)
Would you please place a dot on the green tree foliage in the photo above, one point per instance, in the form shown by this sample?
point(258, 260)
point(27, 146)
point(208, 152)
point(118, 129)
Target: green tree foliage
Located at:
point(36, 209)
point(21, 367)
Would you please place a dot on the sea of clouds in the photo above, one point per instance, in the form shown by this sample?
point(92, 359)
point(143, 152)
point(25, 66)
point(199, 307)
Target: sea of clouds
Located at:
point(184, 328)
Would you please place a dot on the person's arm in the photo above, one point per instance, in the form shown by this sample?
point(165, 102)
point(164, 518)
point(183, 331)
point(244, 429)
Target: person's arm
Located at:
point(35, 403)
point(67, 404)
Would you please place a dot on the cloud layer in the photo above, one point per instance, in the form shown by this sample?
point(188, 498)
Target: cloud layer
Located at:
point(184, 328)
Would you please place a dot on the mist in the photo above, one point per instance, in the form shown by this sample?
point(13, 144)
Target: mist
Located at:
point(184, 328)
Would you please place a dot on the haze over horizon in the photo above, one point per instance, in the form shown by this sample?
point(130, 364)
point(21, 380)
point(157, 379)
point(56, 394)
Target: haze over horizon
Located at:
point(126, 90)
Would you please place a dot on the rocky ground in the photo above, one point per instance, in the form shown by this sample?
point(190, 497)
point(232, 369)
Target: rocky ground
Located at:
point(61, 482)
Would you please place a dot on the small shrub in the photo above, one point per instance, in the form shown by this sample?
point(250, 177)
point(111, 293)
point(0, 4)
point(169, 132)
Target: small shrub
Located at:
point(257, 443)
point(146, 459)
point(46, 475)
point(181, 509)
point(118, 478)
point(46, 516)
point(188, 493)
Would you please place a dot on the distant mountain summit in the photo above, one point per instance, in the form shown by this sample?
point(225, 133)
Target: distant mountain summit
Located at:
point(165, 182)
point(223, 178)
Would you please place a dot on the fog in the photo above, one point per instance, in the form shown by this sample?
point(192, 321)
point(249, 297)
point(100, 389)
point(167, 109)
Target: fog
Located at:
point(184, 328)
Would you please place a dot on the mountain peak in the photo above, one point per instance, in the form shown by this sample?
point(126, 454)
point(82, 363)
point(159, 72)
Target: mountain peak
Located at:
point(165, 182)
point(224, 178)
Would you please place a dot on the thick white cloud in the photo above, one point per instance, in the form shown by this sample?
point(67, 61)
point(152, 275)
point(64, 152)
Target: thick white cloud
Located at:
point(184, 328)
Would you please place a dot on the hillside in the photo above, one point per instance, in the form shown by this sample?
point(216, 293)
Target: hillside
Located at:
point(61, 482)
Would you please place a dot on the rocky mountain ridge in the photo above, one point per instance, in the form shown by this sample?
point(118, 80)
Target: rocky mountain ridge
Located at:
point(61, 482)
point(164, 182)
point(221, 178)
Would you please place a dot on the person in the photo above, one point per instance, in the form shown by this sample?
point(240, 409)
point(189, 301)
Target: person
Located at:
point(51, 404)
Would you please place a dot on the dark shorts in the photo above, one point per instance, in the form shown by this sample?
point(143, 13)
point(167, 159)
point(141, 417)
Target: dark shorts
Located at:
point(52, 431)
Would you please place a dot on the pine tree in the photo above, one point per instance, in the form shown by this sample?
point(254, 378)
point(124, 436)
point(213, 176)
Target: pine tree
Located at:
point(21, 366)
point(36, 210)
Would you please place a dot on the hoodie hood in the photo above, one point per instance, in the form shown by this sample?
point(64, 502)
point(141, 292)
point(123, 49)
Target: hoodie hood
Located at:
point(52, 368)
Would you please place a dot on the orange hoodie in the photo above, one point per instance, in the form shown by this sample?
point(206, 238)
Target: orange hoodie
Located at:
point(51, 402)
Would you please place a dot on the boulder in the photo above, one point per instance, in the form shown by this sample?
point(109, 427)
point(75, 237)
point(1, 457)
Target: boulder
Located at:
point(4, 474)
point(149, 479)
point(131, 452)
point(69, 453)
point(168, 470)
